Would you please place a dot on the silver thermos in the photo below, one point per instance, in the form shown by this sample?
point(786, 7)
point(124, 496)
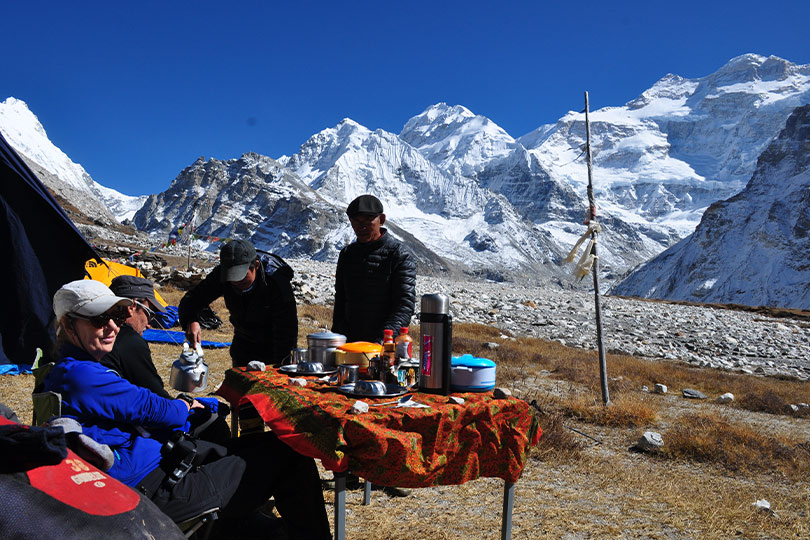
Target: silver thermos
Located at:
point(436, 338)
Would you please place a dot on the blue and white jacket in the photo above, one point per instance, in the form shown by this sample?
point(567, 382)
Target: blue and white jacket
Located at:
point(133, 421)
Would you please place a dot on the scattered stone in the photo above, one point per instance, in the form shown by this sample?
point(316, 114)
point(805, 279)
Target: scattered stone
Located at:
point(660, 388)
point(763, 506)
point(728, 397)
point(690, 393)
point(501, 393)
point(650, 441)
point(359, 407)
point(491, 346)
point(791, 408)
point(645, 389)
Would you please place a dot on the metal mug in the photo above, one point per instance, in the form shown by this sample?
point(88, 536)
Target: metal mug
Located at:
point(299, 355)
point(347, 374)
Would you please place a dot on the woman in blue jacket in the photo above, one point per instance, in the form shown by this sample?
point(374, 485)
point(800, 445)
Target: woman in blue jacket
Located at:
point(136, 423)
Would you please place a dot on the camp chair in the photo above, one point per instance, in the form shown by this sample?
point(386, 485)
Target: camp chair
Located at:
point(199, 527)
point(46, 404)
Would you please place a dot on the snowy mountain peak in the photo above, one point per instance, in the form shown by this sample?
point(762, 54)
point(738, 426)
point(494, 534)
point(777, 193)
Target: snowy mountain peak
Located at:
point(22, 129)
point(456, 139)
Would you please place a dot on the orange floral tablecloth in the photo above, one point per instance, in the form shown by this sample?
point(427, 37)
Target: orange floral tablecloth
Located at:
point(405, 447)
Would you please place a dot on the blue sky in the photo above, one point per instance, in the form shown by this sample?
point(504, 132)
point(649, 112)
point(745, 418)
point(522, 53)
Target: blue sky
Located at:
point(136, 91)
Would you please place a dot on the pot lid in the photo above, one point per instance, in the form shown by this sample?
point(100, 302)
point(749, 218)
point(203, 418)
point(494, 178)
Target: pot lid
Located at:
point(362, 347)
point(328, 336)
point(469, 360)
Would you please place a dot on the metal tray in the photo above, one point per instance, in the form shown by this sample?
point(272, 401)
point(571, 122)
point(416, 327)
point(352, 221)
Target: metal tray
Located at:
point(391, 390)
point(292, 369)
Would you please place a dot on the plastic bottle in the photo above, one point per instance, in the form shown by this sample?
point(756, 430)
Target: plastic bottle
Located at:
point(389, 349)
point(404, 343)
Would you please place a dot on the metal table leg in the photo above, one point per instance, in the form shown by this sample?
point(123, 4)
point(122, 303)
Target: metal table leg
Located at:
point(508, 506)
point(340, 505)
point(366, 493)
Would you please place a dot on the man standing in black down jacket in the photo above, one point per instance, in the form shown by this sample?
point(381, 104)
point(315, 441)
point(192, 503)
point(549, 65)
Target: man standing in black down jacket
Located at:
point(375, 279)
point(259, 297)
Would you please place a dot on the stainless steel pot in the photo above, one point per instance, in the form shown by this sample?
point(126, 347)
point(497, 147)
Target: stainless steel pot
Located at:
point(322, 347)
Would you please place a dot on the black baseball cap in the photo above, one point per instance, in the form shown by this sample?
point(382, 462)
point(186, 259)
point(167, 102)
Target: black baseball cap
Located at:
point(235, 258)
point(136, 287)
point(365, 204)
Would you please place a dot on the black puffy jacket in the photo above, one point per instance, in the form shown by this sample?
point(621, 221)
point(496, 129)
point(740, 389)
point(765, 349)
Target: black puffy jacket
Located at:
point(375, 289)
point(265, 318)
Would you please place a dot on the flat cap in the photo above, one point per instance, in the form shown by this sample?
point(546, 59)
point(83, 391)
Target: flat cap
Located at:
point(365, 204)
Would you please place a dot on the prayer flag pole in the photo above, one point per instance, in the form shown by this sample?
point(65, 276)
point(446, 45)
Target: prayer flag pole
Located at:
point(595, 269)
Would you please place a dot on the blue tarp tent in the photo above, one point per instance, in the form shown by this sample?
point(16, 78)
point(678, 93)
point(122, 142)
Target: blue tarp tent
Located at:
point(42, 250)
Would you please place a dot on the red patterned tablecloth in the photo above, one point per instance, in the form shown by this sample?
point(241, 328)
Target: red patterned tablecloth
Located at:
point(390, 446)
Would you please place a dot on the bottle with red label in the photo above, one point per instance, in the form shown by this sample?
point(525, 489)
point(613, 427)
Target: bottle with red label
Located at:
point(404, 343)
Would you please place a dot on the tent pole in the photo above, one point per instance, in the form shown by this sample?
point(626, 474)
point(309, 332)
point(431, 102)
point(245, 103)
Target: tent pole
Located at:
point(597, 304)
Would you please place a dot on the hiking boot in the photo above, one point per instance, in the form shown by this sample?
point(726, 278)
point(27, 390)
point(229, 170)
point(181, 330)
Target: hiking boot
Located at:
point(352, 483)
point(396, 491)
point(254, 526)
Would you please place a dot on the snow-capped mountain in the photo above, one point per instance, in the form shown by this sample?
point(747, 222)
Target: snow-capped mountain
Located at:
point(751, 248)
point(66, 179)
point(467, 195)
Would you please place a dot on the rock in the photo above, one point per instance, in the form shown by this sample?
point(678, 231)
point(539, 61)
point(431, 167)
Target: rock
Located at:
point(791, 408)
point(690, 393)
point(255, 365)
point(491, 346)
point(359, 407)
point(645, 389)
point(501, 393)
point(650, 441)
point(763, 506)
point(660, 388)
point(728, 397)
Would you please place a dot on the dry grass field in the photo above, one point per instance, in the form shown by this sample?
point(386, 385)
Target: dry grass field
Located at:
point(582, 481)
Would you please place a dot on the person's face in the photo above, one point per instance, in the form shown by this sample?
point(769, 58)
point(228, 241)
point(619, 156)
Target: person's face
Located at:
point(96, 335)
point(139, 315)
point(367, 226)
point(245, 283)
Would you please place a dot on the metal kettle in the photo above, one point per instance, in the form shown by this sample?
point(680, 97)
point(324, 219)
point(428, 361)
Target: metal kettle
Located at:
point(189, 372)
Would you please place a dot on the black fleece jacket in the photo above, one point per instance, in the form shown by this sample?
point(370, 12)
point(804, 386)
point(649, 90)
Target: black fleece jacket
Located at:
point(265, 318)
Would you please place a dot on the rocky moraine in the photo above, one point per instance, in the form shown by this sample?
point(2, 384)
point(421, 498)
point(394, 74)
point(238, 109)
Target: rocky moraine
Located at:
point(720, 338)
point(727, 339)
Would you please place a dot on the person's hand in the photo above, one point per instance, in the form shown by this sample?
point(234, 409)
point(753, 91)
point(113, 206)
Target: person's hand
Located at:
point(194, 334)
point(197, 405)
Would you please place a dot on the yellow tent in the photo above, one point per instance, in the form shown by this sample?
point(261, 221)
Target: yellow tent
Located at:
point(110, 269)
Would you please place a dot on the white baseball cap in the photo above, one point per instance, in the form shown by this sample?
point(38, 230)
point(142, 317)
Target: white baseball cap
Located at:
point(85, 297)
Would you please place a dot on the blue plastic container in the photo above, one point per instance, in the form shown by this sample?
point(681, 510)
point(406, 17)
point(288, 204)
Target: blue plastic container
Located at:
point(472, 374)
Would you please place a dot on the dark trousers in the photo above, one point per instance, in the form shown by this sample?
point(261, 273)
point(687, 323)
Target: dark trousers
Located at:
point(257, 467)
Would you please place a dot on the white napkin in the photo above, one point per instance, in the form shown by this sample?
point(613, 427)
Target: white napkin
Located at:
point(298, 381)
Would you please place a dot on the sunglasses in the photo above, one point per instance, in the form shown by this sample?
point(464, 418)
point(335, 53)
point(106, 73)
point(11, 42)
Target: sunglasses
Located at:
point(149, 312)
point(116, 315)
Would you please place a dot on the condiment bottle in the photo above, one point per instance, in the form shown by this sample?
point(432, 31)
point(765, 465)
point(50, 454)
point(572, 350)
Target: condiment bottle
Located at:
point(389, 349)
point(404, 343)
